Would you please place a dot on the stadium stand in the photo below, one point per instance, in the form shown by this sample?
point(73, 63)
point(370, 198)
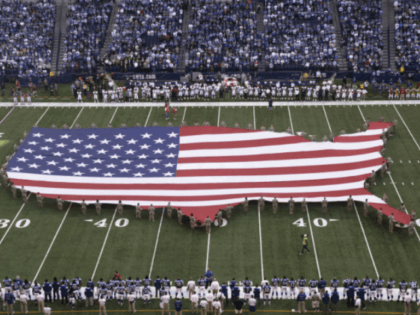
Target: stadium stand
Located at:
point(361, 24)
point(146, 36)
point(299, 36)
point(407, 34)
point(223, 36)
point(26, 36)
point(86, 32)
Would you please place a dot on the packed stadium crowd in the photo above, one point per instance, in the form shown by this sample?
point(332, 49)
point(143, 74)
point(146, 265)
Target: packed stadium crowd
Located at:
point(26, 36)
point(207, 294)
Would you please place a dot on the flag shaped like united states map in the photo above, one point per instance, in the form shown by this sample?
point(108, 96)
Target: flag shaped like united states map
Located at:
point(197, 169)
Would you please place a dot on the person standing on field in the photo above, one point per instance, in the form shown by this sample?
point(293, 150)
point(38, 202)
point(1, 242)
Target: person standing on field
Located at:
point(207, 223)
point(151, 213)
point(98, 207)
point(138, 211)
point(102, 305)
point(301, 301)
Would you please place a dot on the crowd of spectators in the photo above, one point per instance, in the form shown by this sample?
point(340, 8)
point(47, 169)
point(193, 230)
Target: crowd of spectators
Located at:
point(86, 32)
point(146, 37)
point(223, 36)
point(361, 25)
point(299, 35)
point(26, 36)
point(407, 34)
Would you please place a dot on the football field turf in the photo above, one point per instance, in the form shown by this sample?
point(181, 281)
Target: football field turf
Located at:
point(43, 243)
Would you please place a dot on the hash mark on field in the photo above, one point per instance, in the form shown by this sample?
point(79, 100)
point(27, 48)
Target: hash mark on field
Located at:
point(148, 116)
point(112, 118)
point(208, 251)
point(156, 244)
point(52, 242)
point(218, 117)
point(326, 117)
point(290, 118)
point(103, 246)
point(185, 111)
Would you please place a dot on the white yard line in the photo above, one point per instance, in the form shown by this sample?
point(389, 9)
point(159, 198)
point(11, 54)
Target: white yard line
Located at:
point(255, 121)
point(361, 113)
point(208, 251)
point(52, 242)
point(13, 222)
point(407, 127)
point(148, 116)
point(112, 118)
point(290, 118)
point(326, 117)
point(399, 196)
point(218, 117)
point(313, 241)
point(185, 111)
point(367, 243)
point(261, 248)
point(36, 124)
point(77, 117)
point(156, 244)
point(103, 245)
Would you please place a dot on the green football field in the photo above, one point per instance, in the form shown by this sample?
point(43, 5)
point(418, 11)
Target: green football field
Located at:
point(41, 243)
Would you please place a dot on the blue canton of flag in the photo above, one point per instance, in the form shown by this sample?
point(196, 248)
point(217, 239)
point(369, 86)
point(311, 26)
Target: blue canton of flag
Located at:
point(122, 152)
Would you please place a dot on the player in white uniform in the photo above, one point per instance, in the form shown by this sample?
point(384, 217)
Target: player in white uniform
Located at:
point(136, 94)
point(29, 99)
point(105, 96)
point(79, 97)
point(95, 96)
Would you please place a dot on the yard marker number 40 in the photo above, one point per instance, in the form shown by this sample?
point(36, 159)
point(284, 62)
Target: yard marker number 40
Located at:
point(119, 223)
point(318, 222)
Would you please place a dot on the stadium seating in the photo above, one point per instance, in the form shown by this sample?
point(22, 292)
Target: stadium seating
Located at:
point(407, 34)
point(86, 32)
point(146, 37)
point(223, 36)
point(361, 25)
point(298, 35)
point(26, 36)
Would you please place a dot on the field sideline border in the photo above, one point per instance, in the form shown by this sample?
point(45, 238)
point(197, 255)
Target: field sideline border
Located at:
point(215, 104)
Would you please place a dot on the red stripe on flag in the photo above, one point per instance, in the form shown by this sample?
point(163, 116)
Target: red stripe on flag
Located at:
point(399, 216)
point(241, 144)
point(281, 170)
point(211, 130)
point(278, 156)
point(361, 138)
point(380, 125)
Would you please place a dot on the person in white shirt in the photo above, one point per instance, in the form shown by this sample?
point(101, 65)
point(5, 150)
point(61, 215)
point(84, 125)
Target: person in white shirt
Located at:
point(131, 302)
point(102, 303)
point(407, 303)
point(220, 297)
point(203, 305)
point(40, 300)
point(47, 310)
point(252, 303)
point(79, 97)
point(217, 307)
point(357, 305)
point(194, 302)
point(215, 286)
point(23, 303)
point(210, 298)
point(190, 287)
point(165, 303)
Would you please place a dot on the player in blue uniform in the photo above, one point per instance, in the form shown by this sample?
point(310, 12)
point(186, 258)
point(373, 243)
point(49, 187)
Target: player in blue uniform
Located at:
point(120, 290)
point(284, 285)
point(178, 306)
point(366, 284)
point(356, 282)
point(202, 287)
point(292, 285)
point(275, 283)
point(138, 287)
point(257, 292)
point(36, 290)
point(7, 283)
point(334, 284)
point(413, 286)
point(74, 287)
point(167, 285)
point(403, 289)
point(15, 288)
point(313, 284)
point(389, 289)
point(372, 288)
point(379, 288)
point(56, 286)
point(47, 287)
point(64, 290)
point(109, 290)
point(346, 283)
point(26, 286)
point(158, 285)
point(224, 290)
point(247, 292)
point(146, 281)
point(178, 285)
point(146, 294)
point(267, 291)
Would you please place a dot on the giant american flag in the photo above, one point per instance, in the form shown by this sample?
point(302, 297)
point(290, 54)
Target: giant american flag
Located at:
point(197, 169)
